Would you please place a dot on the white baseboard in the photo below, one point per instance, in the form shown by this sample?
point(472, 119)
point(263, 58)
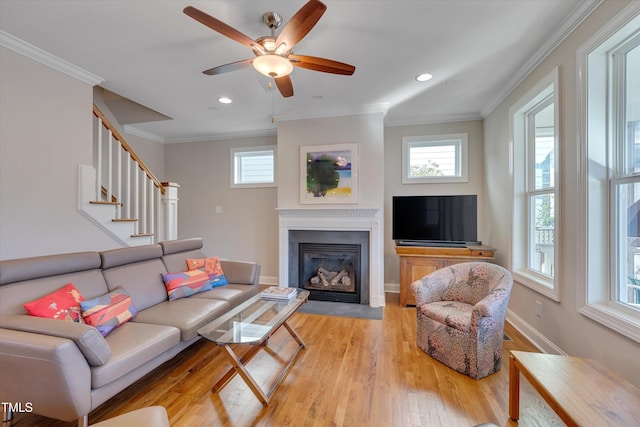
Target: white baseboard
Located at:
point(269, 280)
point(537, 339)
point(393, 288)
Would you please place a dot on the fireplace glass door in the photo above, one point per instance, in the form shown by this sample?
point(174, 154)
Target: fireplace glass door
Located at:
point(331, 272)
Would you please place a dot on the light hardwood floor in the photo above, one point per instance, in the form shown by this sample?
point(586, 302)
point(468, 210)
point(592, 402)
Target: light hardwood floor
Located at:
point(353, 372)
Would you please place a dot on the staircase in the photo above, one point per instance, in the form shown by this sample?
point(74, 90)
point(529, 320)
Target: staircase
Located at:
point(121, 195)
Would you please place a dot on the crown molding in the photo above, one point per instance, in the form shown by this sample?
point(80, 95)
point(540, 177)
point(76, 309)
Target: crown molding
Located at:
point(578, 15)
point(426, 120)
point(30, 51)
point(334, 112)
point(224, 136)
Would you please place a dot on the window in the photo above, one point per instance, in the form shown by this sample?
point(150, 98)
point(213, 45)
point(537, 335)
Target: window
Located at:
point(534, 127)
point(253, 167)
point(609, 64)
point(435, 158)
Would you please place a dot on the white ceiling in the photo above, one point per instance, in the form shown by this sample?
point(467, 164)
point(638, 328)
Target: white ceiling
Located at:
point(150, 52)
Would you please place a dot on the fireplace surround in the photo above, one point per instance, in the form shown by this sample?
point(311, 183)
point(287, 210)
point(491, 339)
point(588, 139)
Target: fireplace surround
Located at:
point(368, 220)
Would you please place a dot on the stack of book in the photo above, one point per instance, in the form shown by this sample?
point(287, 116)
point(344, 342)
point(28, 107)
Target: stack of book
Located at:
point(276, 293)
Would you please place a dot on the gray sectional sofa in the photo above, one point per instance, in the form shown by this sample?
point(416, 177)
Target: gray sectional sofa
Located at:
point(63, 369)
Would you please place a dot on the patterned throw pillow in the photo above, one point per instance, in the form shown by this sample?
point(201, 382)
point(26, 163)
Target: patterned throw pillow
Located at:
point(212, 267)
point(108, 311)
point(186, 283)
point(62, 304)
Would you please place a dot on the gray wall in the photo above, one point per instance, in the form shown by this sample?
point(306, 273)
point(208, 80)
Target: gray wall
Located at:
point(393, 181)
point(247, 228)
point(365, 129)
point(561, 324)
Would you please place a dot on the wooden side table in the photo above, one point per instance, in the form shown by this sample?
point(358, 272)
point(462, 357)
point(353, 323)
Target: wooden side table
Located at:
point(583, 392)
point(418, 261)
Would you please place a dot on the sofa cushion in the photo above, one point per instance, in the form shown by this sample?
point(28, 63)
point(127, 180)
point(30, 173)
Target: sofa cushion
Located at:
point(27, 279)
point(132, 345)
point(87, 338)
point(109, 311)
point(182, 245)
point(186, 314)
point(186, 283)
point(233, 294)
point(212, 267)
point(62, 304)
point(18, 270)
point(178, 261)
point(142, 280)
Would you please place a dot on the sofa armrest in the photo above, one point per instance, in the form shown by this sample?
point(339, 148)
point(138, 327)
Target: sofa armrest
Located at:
point(87, 338)
point(241, 272)
point(48, 372)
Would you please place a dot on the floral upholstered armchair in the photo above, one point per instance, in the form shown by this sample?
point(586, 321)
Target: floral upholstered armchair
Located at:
point(461, 312)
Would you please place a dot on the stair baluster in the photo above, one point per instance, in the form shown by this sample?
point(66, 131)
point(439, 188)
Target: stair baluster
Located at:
point(137, 198)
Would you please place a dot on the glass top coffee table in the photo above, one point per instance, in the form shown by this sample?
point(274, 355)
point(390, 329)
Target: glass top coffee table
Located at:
point(253, 322)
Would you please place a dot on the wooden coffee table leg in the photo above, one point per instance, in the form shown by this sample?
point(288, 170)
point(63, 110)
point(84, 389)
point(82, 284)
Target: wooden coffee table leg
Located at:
point(240, 369)
point(294, 334)
point(233, 371)
point(514, 389)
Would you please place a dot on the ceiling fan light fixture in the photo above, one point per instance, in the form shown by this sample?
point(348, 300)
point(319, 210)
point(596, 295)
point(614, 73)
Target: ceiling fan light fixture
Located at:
point(273, 65)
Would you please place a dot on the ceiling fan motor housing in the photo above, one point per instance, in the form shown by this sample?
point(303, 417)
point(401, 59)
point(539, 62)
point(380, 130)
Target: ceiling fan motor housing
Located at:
point(273, 20)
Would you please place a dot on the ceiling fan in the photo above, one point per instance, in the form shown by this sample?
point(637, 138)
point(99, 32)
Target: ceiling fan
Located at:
point(274, 54)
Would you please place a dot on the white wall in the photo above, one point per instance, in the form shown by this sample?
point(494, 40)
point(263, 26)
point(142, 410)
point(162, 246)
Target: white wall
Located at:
point(393, 181)
point(45, 133)
point(247, 228)
point(560, 323)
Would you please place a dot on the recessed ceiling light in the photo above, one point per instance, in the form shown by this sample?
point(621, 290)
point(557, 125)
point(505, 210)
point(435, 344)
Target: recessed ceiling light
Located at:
point(424, 77)
point(224, 100)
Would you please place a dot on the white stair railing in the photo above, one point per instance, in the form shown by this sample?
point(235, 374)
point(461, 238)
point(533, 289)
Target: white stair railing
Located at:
point(129, 184)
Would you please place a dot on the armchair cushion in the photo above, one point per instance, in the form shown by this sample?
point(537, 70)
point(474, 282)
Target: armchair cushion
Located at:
point(451, 313)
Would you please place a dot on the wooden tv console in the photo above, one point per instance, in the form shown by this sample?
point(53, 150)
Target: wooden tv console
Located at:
point(418, 261)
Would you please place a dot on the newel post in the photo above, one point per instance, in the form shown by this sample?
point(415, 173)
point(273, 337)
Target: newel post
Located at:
point(169, 229)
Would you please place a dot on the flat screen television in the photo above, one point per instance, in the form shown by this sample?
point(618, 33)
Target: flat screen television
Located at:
point(435, 220)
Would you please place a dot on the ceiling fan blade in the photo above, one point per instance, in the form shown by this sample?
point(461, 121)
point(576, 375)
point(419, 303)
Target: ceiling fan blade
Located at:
point(219, 26)
point(233, 66)
point(300, 24)
point(322, 64)
point(284, 86)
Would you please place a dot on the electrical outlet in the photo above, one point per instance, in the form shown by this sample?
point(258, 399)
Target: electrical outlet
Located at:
point(218, 209)
point(538, 309)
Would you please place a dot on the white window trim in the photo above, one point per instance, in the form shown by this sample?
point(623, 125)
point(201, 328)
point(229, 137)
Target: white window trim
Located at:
point(462, 162)
point(518, 255)
point(232, 167)
point(593, 293)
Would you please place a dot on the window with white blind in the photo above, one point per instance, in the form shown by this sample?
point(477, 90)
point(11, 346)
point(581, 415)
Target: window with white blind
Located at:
point(434, 159)
point(253, 167)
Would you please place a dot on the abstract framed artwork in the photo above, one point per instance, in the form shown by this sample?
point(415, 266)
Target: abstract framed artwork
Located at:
point(329, 174)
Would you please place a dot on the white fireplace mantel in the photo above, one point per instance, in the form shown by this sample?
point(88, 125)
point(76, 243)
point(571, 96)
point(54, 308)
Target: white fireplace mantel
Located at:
point(347, 219)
